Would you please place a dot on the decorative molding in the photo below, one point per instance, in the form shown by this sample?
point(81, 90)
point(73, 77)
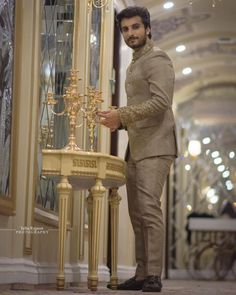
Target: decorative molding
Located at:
point(128, 2)
point(21, 270)
point(181, 23)
point(44, 216)
point(178, 274)
point(183, 274)
point(213, 48)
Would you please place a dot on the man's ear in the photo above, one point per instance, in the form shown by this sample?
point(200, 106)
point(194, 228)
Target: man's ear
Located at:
point(148, 30)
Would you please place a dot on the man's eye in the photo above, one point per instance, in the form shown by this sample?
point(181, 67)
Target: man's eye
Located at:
point(136, 26)
point(124, 29)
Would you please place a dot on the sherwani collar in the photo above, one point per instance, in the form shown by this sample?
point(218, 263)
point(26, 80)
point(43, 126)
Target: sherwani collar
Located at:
point(141, 51)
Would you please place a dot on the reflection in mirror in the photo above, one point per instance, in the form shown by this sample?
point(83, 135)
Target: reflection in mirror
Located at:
point(95, 37)
point(203, 181)
point(95, 45)
point(7, 8)
point(208, 139)
point(56, 63)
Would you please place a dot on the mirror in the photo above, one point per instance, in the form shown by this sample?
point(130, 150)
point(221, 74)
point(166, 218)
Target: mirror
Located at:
point(56, 63)
point(7, 14)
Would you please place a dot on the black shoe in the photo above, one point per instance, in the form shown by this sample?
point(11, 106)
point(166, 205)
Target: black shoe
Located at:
point(152, 284)
point(131, 284)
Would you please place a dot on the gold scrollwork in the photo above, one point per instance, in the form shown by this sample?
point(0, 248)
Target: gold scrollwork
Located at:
point(83, 173)
point(97, 3)
point(51, 172)
point(115, 167)
point(84, 163)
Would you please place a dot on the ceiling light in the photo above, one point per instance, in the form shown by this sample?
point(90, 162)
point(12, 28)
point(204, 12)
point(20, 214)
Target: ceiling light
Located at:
point(208, 152)
point(228, 182)
point(189, 207)
point(225, 174)
point(215, 154)
point(168, 5)
point(232, 155)
point(229, 185)
point(194, 148)
point(187, 71)
point(211, 192)
point(221, 168)
point(213, 199)
point(180, 48)
point(206, 140)
point(187, 167)
point(218, 160)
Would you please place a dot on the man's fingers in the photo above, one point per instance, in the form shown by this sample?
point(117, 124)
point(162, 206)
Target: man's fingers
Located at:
point(103, 113)
point(102, 121)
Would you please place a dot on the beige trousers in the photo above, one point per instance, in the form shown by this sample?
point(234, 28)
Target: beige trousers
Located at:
point(145, 181)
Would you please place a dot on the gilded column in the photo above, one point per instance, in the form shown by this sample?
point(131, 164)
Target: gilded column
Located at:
point(114, 200)
point(97, 192)
point(64, 189)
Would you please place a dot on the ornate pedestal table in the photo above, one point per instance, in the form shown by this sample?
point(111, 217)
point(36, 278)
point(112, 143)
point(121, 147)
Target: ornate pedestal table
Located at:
point(96, 172)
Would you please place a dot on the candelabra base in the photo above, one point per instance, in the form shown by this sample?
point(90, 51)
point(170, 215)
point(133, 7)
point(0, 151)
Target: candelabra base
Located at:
point(72, 147)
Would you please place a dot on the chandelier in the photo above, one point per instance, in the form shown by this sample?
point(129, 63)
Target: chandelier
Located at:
point(97, 3)
point(213, 2)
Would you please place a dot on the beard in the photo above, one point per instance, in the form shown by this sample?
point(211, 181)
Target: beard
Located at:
point(136, 42)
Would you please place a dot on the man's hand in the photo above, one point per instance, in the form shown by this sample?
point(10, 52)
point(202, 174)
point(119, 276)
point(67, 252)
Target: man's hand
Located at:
point(110, 119)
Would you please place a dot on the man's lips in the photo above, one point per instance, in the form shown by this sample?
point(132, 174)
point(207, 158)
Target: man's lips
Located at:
point(132, 39)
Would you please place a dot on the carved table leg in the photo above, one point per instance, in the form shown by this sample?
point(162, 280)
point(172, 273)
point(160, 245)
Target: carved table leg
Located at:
point(64, 189)
point(97, 192)
point(90, 211)
point(114, 200)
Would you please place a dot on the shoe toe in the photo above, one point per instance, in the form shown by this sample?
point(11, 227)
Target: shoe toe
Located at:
point(152, 284)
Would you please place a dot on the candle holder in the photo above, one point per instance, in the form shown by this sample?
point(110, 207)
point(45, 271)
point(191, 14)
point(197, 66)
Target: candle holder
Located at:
point(74, 105)
point(90, 113)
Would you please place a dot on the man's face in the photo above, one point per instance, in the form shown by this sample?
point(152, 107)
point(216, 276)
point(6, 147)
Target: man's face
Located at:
point(134, 32)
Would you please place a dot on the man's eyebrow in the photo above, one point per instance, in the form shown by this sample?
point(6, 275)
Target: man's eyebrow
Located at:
point(131, 25)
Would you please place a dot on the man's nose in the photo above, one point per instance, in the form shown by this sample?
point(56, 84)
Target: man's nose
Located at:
point(130, 32)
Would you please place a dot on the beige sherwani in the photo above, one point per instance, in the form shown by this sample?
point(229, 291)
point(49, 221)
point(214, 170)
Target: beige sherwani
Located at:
point(149, 120)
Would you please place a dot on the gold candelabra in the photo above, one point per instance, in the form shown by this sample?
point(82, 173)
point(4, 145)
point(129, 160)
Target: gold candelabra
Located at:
point(90, 113)
point(74, 104)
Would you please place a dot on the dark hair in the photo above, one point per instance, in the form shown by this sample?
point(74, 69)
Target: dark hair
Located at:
point(132, 11)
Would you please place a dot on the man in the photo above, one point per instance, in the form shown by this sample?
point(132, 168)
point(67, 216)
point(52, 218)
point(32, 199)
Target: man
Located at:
point(149, 120)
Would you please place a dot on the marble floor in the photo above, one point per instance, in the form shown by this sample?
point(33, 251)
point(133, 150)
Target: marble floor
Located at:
point(170, 287)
